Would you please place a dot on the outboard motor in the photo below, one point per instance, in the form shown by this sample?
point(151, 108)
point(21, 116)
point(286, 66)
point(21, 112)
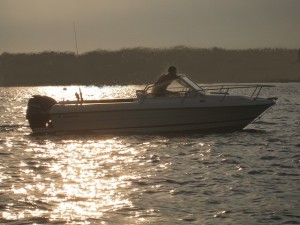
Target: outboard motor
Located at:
point(38, 111)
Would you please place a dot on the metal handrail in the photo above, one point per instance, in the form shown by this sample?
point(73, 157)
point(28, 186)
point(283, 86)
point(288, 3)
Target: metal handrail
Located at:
point(224, 89)
point(233, 86)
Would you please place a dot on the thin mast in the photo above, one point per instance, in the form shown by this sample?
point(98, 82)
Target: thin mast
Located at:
point(75, 38)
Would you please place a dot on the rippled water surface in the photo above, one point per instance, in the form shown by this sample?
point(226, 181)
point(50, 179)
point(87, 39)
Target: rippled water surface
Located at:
point(246, 177)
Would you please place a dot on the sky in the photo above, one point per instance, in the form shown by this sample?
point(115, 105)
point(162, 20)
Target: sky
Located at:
point(48, 25)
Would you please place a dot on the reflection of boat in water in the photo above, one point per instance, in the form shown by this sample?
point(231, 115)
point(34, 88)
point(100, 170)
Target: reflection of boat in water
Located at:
point(185, 107)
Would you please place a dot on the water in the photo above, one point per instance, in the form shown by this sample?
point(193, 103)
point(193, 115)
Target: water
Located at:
point(248, 177)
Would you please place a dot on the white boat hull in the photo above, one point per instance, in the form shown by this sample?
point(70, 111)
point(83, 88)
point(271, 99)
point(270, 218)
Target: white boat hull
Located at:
point(157, 120)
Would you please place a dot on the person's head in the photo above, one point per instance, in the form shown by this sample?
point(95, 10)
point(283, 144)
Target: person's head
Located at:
point(172, 69)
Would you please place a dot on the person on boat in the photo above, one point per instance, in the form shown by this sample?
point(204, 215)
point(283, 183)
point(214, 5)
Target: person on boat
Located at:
point(160, 86)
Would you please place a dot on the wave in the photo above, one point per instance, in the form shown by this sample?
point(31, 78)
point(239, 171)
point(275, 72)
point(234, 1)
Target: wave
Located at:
point(263, 122)
point(7, 127)
point(254, 131)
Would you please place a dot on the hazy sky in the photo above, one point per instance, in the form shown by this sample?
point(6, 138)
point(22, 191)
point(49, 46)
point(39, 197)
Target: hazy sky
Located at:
point(39, 25)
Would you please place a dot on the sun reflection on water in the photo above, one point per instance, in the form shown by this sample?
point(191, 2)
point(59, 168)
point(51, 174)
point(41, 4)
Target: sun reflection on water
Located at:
point(77, 179)
point(94, 179)
point(61, 93)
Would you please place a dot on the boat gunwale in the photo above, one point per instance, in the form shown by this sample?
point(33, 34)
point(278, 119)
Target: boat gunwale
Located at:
point(117, 100)
point(169, 108)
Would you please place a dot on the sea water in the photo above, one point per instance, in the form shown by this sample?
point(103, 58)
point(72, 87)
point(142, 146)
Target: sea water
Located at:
point(244, 177)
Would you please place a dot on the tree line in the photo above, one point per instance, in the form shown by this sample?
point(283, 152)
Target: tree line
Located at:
point(144, 65)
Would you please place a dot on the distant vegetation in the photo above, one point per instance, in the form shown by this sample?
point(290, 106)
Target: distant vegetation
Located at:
point(144, 65)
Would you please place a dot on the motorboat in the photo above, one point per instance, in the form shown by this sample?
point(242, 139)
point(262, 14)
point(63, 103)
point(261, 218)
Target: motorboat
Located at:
point(183, 107)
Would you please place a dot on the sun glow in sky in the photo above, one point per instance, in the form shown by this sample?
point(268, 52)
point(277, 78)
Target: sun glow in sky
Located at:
point(34, 25)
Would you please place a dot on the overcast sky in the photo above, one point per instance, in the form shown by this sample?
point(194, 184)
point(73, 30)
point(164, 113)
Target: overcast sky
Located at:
point(47, 25)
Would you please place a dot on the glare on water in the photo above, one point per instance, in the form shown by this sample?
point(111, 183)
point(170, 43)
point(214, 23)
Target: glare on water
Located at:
point(249, 177)
point(61, 93)
point(77, 179)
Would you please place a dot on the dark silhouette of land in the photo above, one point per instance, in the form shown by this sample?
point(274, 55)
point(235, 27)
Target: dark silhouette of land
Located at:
point(144, 65)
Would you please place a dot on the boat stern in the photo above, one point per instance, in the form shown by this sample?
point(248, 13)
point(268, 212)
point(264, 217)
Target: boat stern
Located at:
point(37, 112)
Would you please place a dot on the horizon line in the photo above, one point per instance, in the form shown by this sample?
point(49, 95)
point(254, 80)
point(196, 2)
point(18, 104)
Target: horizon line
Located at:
point(150, 48)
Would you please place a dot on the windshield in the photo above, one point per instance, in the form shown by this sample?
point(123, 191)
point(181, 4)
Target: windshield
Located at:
point(177, 87)
point(190, 83)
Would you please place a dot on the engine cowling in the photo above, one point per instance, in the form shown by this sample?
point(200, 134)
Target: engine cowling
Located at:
point(38, 109)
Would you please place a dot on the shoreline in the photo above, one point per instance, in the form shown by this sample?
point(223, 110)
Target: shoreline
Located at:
point(145, 65)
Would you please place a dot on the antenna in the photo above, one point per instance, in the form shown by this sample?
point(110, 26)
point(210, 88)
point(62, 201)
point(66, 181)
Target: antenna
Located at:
point(75, 36)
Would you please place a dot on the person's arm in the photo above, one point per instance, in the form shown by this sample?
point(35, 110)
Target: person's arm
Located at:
point(160, 79)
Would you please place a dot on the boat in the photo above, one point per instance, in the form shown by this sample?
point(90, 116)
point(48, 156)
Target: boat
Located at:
point(184, 107)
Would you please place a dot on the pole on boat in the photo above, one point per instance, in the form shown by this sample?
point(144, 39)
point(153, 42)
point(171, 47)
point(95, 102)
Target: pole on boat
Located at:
point(78, 96)
point(75, 36)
